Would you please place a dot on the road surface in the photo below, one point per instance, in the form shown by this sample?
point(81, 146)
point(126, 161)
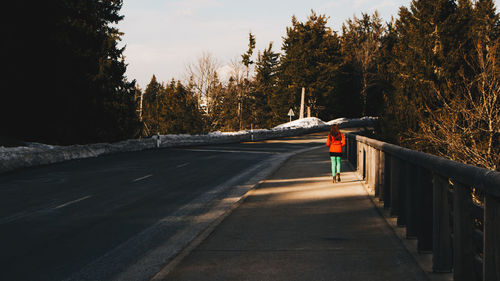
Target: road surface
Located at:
point(115, 217)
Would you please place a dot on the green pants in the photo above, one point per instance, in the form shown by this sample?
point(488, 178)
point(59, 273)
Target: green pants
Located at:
point(335, 164)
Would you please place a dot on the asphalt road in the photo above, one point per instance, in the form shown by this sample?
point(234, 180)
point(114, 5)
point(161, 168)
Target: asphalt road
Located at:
point(94, 219)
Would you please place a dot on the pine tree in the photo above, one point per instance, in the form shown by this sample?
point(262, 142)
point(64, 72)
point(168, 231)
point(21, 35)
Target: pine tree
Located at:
point(90, 66)
point(311, 57)
point(346, 100)
point(247, 62)
point(361, 43)
point(462, 122)
point(78, 93)
point(181, 111)
point(229, 102)
point(246, 58)
point(486, 22)
point(425, 39)
point(153, 107)
point(265, 83)
point(387, 60)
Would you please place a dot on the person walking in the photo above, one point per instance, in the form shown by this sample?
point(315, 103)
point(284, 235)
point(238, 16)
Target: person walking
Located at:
point(335, 142)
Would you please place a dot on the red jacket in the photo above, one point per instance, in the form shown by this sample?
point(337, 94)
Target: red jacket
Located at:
point(335, 145)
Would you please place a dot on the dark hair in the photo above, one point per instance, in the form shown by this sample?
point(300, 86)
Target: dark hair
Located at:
point(335, 132)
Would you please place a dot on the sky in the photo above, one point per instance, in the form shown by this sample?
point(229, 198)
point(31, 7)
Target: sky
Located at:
point(163, 36)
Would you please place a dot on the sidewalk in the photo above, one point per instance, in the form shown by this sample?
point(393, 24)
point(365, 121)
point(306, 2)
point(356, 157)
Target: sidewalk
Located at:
point(298, 225)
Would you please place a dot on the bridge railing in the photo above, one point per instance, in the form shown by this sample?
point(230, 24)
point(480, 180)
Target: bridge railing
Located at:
point(452, 209)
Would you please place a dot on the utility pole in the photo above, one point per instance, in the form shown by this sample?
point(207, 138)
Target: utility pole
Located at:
point(143, 125)
point(140, 107)
point(158, 113)
point(240, 112)
point(301, 113)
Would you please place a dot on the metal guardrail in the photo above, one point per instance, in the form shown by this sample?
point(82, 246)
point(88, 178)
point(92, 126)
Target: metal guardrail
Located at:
point(452, 209)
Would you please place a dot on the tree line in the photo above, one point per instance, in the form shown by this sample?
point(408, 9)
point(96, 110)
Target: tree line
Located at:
point(263, 85)
point(64, 80)
point(430, 74)
point(440, 60)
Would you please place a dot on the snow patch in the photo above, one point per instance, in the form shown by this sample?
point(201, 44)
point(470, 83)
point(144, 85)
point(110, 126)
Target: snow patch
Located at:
point(365, 120)
point(34, 154)
point(337, 121)
point(302, 123)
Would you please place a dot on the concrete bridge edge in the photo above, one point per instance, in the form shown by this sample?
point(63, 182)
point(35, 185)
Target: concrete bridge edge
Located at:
point(424, 260)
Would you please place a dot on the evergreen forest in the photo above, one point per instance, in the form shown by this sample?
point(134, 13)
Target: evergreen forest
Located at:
point(430, 74)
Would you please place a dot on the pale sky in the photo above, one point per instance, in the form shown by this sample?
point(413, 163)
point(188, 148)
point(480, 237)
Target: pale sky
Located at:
point(163, 36)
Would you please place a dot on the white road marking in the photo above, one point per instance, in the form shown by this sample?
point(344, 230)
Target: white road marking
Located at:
point(14, 217)
point(141, 178)
point(182, 165)
point(232, 151)
point(72, 202)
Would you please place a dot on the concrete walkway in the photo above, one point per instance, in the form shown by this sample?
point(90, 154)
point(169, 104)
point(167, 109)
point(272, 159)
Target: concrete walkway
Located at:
point(298, 225)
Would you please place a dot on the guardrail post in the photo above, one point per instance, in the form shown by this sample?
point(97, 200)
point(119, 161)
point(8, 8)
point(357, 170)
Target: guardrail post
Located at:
point(369, 166)
point(387, 181)
point(381, 175)
point(364, 162)
point(395, 170)
point(424, 211)
point(491, 247)
point(373, 168)
point(442, 260)
point(356, 144)
point(463, 253)
point(411, 203)
point(376, 172)
point(348, 149)
point(402, 191)
point(360, 159)
point(355, 152)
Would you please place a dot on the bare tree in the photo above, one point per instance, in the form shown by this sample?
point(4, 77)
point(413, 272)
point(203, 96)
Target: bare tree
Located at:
point(203, 78)
point(238, 71)
point(467, 126)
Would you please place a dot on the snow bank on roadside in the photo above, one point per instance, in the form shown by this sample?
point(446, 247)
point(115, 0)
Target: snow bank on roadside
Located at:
point(302, 123)
point(337, 121)
point(364, 120)
point(35, 154)
point(311, 122)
